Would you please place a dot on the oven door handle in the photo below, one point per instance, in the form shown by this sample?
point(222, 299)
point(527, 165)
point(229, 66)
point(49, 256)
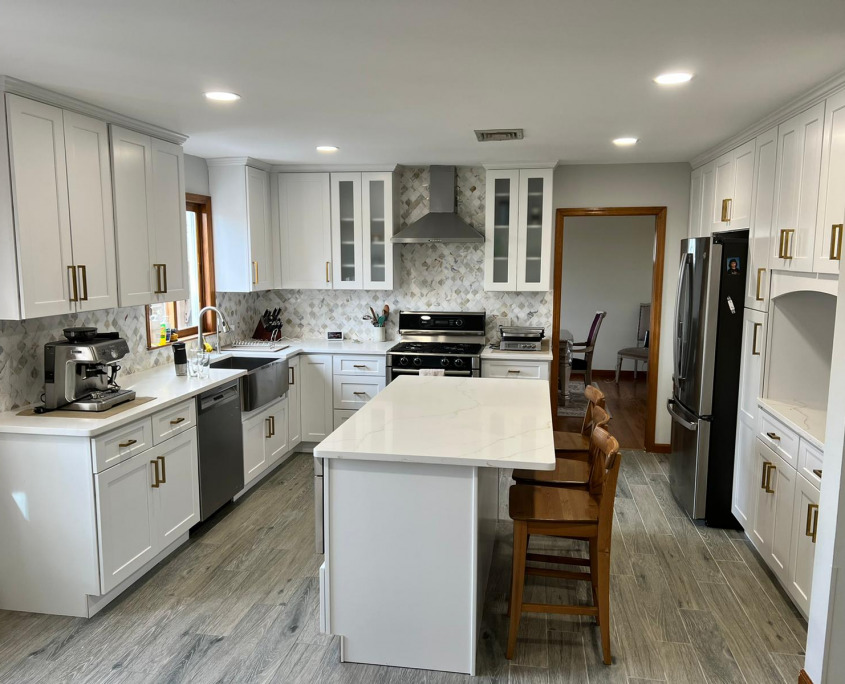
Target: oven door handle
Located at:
point(416, 371)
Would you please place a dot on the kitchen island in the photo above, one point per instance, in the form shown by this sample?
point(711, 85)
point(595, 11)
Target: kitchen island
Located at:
point(410, 508)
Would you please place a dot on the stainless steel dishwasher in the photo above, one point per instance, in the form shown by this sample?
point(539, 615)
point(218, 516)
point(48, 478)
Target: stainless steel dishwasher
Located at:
point(221, 447)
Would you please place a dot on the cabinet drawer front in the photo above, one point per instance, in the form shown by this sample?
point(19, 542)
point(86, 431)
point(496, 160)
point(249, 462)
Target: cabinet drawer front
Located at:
point(353, 392)
point(174, 420)
point(810, 461)
point(780, 438)
point(341, 416)
point(116, 446)
point(515, 370)
point(359, 365)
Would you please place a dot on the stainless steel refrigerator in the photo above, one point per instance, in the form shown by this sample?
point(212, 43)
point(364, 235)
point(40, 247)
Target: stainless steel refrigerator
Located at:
point(705, 386)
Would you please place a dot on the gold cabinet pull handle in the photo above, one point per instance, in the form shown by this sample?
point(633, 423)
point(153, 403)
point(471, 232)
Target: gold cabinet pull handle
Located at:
point(773, 436)
point(360, 394)
point(75, 286)
point(817, 472)
point(159, 289)
point(327, 272)
point(727, 210)
point(163, 470)
point(359, 365)
point(766, 465)
point(812, 527)
point(127, 443)
point(180, 419)
point(769, 468)
point(83, 271)
point(157, 483)
point(754, 350)
point(760, 272)
point(255, 273)
point(269, 429)
point(164, 268)
point(786, 243)
point(272, 426)
point(291, 375)
point(836, 242)
point(514, 371)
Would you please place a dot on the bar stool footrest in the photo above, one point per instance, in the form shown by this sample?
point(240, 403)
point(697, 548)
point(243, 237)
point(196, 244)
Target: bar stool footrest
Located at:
point(564, 610)
point(559, 574)
point(562, 560)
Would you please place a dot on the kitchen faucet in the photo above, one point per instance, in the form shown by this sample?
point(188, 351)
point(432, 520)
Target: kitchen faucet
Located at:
point(222, 326)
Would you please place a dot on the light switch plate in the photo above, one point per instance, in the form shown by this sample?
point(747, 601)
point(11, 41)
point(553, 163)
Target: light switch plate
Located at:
point(334, 335)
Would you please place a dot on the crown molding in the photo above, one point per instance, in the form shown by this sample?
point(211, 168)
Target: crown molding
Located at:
point(808, 99)
point(336, 168)
point(523, 165)
point(9, 84)
point(240, 161)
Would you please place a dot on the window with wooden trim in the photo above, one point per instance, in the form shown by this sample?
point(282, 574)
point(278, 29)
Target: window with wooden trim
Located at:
point(181, 316)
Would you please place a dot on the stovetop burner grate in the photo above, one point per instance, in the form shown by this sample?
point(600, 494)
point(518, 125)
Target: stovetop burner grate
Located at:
point(465, 348)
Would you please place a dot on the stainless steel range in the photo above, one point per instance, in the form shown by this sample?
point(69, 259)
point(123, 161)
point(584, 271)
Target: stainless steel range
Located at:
point(442, 340)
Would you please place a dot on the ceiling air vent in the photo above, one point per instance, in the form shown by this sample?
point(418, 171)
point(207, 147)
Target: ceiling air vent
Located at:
point(499, 134)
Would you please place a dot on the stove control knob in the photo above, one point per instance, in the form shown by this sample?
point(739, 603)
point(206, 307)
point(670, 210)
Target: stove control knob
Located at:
point(444, 362)
point(459, 323)
point(417, 361)
point(459, 363)
point(403, 360)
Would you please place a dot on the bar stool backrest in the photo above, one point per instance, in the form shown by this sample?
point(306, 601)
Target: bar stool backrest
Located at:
point(595, 398)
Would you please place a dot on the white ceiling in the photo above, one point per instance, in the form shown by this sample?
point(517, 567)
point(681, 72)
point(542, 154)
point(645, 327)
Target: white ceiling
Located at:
point(395, 81)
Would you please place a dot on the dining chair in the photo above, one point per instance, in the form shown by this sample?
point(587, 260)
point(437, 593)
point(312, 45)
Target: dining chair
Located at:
point(638, 354)
point(585, 514)
point(585, 365)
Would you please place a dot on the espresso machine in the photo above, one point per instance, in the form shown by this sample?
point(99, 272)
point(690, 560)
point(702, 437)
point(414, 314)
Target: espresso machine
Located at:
point(80, 372)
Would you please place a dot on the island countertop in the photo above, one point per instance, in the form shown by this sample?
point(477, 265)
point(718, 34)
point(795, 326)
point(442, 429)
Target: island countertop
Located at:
point(453, 421)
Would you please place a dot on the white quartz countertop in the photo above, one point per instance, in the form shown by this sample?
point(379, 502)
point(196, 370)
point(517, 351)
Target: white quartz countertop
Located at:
point(161, 383)
point(318, 347)
point(452, 421)
point(809, 423)
point(545, 354)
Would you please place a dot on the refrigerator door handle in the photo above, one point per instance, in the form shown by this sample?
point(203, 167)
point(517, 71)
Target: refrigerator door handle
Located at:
point(681, 327)
point(678, 418)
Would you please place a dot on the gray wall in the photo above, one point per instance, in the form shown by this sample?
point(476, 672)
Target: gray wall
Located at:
point(623, 185)
point(196, 175)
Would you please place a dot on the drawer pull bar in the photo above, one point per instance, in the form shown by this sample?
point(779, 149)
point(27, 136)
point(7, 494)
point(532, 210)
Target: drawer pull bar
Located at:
point(769, 468)
point(127, 443)
point(817, 472)
point(163, 471)
point(360, 365)
point(180, 419)
point(514, 371)
point(360, 394)
point(812, 521)
point(154, 464)
point(773, 436)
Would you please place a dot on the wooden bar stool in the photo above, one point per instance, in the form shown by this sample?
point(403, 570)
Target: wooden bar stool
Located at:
point(572, 468)
point(580, 441)
point(570, 513)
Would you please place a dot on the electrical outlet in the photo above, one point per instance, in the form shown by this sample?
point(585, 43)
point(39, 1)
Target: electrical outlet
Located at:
point(503, 322)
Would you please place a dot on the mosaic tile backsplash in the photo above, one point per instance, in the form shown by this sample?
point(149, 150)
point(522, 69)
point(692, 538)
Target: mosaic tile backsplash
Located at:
point(446, 277)
point(437, 276)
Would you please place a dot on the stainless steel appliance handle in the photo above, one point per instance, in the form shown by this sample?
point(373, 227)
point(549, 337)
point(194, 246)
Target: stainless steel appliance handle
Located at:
point(681, 328)
point(415, 371)
point(678, 418)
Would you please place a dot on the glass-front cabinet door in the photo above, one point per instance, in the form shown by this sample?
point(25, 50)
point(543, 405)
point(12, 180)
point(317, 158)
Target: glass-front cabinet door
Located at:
point(347, 264)
point(534, 230)
point(378, 221)
point(501, 228)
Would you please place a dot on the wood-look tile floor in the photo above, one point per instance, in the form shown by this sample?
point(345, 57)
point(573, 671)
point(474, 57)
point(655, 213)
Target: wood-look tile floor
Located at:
point(239, 603)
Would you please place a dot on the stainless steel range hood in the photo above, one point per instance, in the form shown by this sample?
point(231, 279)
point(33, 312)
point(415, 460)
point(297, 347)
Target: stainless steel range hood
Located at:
point(441, 223)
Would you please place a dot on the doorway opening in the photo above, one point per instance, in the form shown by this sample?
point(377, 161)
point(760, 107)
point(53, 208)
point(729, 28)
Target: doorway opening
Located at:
point(615, 266)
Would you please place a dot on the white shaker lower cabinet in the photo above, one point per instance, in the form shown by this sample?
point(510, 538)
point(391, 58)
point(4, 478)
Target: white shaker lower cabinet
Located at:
point(316, 395)
point(515, 370)
point(144, 504)
point(805, 525)
point(341, 416)
point(772, 529)
point(351, 392)
point(294, 403)
point(265, 439)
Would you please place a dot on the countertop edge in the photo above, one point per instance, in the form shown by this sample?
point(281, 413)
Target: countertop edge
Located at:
point(433, 460)
point(773, 408)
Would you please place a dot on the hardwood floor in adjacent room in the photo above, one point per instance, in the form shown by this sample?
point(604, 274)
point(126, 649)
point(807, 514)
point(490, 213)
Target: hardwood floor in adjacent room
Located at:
point(239, 603)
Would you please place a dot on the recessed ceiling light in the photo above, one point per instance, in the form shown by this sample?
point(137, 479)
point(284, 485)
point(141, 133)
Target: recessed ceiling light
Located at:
point(673, 78)
point(624, 142)
point(222, 96)
point(326, 148)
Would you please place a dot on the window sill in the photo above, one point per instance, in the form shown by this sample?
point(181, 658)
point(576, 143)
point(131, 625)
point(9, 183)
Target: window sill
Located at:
point(187, 338)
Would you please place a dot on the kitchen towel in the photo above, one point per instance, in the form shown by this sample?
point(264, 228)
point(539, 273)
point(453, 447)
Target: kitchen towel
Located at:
point(432, 371)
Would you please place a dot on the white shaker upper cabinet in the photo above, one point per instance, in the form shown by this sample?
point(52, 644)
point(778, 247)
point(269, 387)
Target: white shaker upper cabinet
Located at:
point(305, 231)
point(734, 180)
point(378, 218)
point(243, 238)
point(169, 229)
point(534, 236)
point(797, 190)
point(500, 245)
point(42, 218)
point(91, 211)
point(348, 265)
point(762, 214)
point(831, 215)
point(708, 199)
point(695, 196)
